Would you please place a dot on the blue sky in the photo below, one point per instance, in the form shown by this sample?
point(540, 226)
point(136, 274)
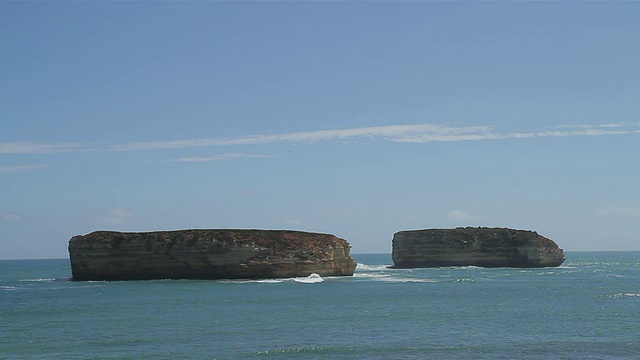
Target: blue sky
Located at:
point(353, 118)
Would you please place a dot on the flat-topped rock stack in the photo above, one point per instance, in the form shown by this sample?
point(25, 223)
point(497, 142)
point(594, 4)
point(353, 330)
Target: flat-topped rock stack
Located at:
point(469, 246)
point(208, 254)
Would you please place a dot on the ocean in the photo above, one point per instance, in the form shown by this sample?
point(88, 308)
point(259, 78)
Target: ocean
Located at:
point(589, 308)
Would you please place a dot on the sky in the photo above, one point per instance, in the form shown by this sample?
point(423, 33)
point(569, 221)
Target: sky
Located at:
point(358, 119)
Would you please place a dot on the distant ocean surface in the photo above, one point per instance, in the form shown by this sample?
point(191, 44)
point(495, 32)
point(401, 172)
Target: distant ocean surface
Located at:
point(589, 308)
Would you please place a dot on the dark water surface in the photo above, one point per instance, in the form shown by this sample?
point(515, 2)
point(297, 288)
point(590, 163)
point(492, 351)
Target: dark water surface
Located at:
point(589, 308)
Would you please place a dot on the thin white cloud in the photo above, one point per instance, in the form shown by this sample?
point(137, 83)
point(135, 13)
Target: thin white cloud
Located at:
point(37, 148)
point(586, 132)
point(463, 217)
point(392, 132)
point(488, 134)
point(609, 125)
point(12, 216)
point(119, 216)
point(418, 133)
point(222, 157)
point(620, 211)
point(19, 168)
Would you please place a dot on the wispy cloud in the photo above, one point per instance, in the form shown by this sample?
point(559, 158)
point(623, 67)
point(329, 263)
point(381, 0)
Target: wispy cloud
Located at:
point(114, 217)
point(620, 211)
point(609, 125)
point(417, 133)
point(460, 216)
point(391, 132)
point(18, 168)
point(587, 131)
point(119, 216)
point(37, 148)
point(222, 157)
point(12, 216)
point(563, 131)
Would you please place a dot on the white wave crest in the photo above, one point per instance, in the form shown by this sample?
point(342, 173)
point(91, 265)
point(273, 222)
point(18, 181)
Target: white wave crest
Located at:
point(38, 280)
point(547, 273)
point(624, 295)
point(311, 279)
point(365, 267)
point(268, 281)
point(409, 280)
point(391, 278)
point(8, 287)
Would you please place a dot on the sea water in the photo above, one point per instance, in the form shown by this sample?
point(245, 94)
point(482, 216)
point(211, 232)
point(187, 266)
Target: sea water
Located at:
point(589, 308)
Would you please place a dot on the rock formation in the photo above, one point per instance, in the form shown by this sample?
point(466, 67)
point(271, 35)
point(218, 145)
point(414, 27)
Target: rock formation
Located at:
point(208, 254)
point(486, 247)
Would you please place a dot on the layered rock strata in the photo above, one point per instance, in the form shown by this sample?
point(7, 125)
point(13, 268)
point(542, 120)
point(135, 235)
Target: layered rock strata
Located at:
point(208, 254)
point(486, 247)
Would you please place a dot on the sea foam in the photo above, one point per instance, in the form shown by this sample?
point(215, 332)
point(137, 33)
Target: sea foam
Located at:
point(311, 279)
point(365, 267)
point(624, 295)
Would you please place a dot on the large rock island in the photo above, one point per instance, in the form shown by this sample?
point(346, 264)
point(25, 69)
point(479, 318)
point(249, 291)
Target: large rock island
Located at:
point(486, 247)
point(208, 254)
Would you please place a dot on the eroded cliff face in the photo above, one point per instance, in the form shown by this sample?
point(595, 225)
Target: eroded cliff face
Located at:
point(486, 247)
point(208, 254)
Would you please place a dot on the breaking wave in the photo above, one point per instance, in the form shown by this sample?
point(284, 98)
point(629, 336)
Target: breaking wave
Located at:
point(266, 281)
point(624, 295)
point(298, 350)
point(365, 267)
point(38, 280)
point(65, 279)
point(384, 273)
point(311, 279)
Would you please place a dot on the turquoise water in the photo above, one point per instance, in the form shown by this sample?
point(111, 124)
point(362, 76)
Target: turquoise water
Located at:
point(587, 309)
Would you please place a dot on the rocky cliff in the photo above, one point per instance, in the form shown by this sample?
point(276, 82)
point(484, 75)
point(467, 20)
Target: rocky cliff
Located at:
point(486, 247)
point(208, 254)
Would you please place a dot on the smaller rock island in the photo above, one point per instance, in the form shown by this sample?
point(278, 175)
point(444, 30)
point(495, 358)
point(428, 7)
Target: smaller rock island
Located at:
point(469, 246)
point(208, 254)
